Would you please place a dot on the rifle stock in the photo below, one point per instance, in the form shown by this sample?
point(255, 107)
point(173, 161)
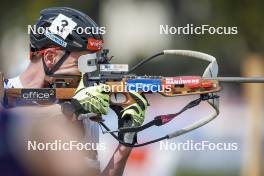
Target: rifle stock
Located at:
point(118, 92)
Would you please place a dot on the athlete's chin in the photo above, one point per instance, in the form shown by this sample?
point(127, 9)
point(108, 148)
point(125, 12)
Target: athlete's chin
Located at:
point(68, 71)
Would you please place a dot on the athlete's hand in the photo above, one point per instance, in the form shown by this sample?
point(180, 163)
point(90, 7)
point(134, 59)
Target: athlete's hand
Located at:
point(132, 115)
point(87, 100)
point(92, 99)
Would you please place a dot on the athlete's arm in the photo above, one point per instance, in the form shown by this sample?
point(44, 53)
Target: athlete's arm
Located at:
point(118, 161)
point(132, 115)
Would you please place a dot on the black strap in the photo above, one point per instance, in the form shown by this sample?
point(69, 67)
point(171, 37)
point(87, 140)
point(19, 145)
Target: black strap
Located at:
point(57, 65)
point(158, 121)
point(163, 119)
point(128, 144)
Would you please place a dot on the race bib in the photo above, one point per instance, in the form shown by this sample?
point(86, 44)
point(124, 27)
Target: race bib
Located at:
point(62, 26)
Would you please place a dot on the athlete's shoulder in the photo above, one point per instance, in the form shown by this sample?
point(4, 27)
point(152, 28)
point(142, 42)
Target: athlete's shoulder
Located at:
point(12, 83)
point(7, 84)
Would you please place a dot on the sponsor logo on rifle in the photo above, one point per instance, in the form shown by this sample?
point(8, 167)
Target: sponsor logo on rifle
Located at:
point(114, 67)
point(183, 80)
point(144, 85)
point(38, 94)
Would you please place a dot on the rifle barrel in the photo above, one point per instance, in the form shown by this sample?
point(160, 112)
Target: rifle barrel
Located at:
point(238, 79)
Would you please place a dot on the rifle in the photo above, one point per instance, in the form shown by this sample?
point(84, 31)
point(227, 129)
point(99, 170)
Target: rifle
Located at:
point(99, 70)
point(207, 86)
